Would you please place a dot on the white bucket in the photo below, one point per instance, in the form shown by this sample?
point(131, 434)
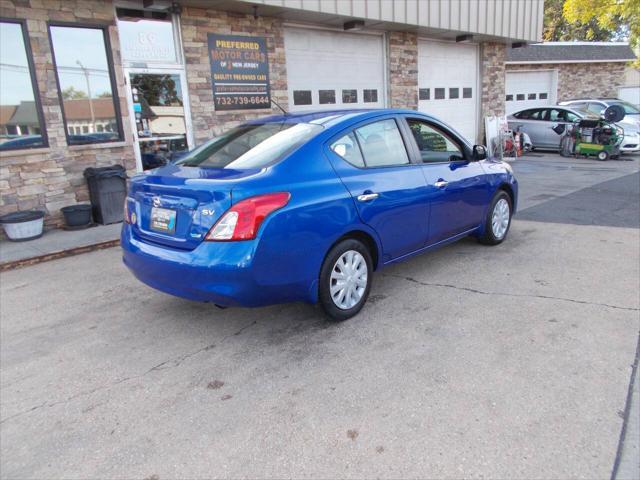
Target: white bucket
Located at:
point(23, 225)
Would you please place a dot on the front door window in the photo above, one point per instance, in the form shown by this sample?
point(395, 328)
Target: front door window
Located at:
point(160, 117)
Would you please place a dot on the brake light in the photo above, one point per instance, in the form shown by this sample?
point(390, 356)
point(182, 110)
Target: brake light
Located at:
point(126, 211)
point(242, 221)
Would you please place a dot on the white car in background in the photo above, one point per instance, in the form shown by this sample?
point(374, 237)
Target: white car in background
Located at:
point(630, 123)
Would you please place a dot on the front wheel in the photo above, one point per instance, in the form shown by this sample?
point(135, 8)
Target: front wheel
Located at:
point(498, 221)
point(603, 155)
point(345, 279)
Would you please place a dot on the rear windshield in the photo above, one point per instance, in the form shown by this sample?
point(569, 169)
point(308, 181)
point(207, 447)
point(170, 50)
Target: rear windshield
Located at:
point(250, 146)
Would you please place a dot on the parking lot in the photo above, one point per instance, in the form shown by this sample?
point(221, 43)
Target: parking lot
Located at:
point(471, 361)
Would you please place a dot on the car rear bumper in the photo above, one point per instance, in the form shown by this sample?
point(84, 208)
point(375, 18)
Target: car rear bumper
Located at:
point(218, 272)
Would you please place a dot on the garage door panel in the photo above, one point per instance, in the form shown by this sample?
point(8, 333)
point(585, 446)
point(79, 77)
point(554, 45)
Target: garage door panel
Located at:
point(335, 64)
point(454, 68)
point(528, 89)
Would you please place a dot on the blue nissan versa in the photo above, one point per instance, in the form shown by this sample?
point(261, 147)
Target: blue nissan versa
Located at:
point(308, 206)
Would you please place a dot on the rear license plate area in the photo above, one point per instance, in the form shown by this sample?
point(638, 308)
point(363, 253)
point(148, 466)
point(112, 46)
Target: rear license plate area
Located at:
point(163, 220)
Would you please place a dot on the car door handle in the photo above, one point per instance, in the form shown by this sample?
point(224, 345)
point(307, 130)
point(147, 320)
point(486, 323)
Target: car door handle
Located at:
point(441, 183)
point(366, 197)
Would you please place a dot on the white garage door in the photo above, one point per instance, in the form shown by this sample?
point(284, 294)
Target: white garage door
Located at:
point(329, 70)
point(447, 82)
point(530, 89)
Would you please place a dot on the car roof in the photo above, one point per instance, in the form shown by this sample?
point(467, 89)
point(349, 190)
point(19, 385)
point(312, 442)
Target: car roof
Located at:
point(329, 117)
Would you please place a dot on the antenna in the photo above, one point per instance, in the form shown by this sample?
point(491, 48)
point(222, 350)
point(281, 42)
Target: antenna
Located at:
point(278, 105)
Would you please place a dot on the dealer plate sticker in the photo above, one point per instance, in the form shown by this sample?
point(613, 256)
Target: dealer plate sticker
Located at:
point(163, 220)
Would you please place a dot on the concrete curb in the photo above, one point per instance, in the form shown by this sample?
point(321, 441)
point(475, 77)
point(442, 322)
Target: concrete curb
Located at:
point(25, 262)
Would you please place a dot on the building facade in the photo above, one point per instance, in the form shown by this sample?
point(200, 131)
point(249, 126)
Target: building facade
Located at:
point(98, 82)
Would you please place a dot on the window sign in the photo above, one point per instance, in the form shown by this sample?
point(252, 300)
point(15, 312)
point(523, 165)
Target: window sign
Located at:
point(239, 72)
point(147, 40)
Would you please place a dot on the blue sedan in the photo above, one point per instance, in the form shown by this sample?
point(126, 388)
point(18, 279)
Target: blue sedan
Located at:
point(307, 206)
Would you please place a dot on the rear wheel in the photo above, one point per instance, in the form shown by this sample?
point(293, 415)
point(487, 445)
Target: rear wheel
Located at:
point(345, 279)
point(498, 219)
point(603, 155)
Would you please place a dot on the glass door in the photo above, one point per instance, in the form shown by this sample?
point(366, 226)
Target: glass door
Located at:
point(158, 107)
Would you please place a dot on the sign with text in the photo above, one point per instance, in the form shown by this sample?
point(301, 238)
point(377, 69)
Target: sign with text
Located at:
point(239, 72)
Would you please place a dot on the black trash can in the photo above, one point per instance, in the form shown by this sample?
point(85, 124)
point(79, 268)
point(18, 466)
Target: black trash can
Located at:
point(107, 191)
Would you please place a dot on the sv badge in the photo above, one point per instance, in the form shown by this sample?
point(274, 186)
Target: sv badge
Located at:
point(207, 211)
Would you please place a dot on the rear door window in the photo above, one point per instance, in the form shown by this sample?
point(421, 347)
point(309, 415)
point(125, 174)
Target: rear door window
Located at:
point(382, 144)
point(347, 147)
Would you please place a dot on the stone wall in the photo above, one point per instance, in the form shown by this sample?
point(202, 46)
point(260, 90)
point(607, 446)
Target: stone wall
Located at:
point(196, 24)
point(583, 80)
point(492, 75)
point(403, 70)
point(51, 178)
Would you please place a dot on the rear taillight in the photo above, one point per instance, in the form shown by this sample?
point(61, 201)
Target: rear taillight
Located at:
point(126, 211)
point(242, 221)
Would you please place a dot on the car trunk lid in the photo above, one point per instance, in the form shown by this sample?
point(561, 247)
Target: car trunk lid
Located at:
point(176, 206)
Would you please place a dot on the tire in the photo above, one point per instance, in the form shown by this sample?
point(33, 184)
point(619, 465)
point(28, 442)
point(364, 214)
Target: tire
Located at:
point(337, 305)
point(603, 156)
point(496, 236)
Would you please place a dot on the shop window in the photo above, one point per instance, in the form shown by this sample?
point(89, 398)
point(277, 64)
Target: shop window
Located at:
point(509, 98)
point(424, 93)
point(520, 96)
point(327, 97)
point(21, 119)
point(86, 82)
point(350, 96)
point(302, 97)
point(531, 96)
point(370, 95)
point(438, 93)
point(467, 92)
point(542, 96)
point(454, 93)
point(146, 36)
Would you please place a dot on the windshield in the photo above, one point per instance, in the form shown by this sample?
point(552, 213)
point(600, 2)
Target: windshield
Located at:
point(628, 108)
point(250, 146)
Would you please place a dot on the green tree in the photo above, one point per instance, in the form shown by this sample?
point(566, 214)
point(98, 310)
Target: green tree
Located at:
point(157, 90)
point(615, 15)
point(70, 93)
point(558, 28)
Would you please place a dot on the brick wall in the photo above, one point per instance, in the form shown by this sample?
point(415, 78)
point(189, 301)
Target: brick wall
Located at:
point(196, 24)
point(492, 75)
point(51, 178)
point(403, 70)
point(576, 80)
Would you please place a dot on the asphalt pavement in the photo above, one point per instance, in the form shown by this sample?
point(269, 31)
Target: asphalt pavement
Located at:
point(479, 362)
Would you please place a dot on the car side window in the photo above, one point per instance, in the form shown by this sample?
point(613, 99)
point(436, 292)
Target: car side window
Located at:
point(595, 108)
point(347, 147)
point(571, 117)
point(556, 115)
point(382, 144)
point(433, 143)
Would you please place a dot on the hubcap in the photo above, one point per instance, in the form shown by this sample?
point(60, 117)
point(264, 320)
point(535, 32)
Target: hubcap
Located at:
point(500, 218)
point(348, 280)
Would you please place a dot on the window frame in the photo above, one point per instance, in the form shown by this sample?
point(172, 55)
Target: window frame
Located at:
point(104, 28)
point(400, 125)
point(417, 157)
point(34, 86)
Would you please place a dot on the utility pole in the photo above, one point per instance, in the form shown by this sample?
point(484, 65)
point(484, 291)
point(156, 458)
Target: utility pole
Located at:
point(86, 77)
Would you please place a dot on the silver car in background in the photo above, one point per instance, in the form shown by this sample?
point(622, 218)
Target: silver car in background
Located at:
point(544, 125)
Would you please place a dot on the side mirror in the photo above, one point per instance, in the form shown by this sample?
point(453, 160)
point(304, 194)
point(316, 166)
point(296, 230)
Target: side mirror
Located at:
point(479, 152)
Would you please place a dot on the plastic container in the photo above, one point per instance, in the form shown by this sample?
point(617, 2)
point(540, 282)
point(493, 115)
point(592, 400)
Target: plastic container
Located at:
point(107, 191)
point(76, 216)
point(20, 226)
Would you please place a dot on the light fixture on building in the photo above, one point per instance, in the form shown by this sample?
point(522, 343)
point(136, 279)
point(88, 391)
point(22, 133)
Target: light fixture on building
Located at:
point(354, 25)
point(464, 38)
